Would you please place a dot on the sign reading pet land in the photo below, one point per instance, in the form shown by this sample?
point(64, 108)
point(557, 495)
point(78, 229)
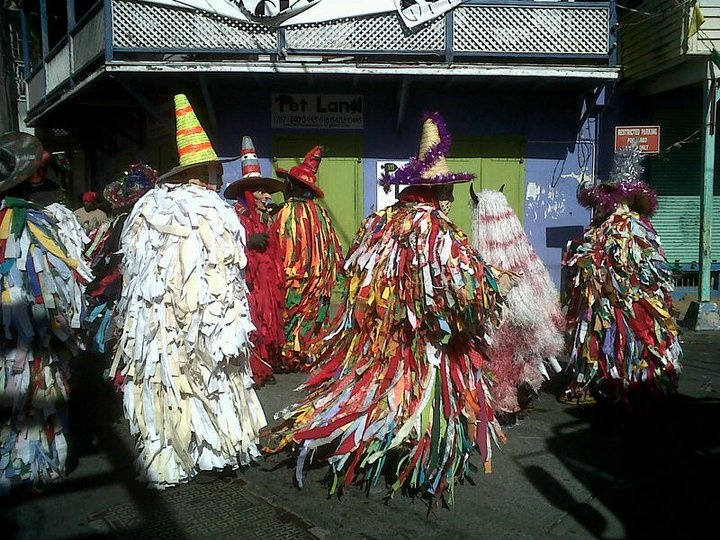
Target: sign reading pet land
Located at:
point(317, 111)
point(647, 138)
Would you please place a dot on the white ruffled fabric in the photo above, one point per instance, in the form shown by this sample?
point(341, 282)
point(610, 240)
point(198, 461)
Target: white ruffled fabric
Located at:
point(531, 336)
point(184, 342)
point(72, 235)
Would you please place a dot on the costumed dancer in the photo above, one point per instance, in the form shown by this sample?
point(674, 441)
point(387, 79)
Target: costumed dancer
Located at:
point(531, 336)
point(623, 339)
point(401, 386)
point(184, 322)
point(105, 256)
point(42, 308)
point(264, 275)
point(312, 258)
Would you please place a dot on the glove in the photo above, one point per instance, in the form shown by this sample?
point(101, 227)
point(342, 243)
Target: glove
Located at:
point(258, 241)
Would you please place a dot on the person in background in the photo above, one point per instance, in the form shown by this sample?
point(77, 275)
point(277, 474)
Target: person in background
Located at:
point(623, 340)
point(43, 189)
point(264, 274)
point(89, 215)
point(312, 258)
point(401, 389)
point(41, 311)
point(105, 256)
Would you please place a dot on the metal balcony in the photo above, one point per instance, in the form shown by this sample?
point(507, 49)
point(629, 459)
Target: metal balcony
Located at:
point(500, 38)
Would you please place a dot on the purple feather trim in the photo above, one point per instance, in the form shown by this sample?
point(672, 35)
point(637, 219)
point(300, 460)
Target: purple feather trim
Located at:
point(640, 197)
point(411, 174)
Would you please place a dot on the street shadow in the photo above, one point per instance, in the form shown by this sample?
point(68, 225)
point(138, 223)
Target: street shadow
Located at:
point(654, 469)
point(96, 425)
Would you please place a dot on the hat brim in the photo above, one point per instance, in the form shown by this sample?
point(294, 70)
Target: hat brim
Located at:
point(27, 151)
point(180, 168)
point(450, 179)
point(282, 173)
point(458, 178)
point(606, 197)
point(255, 183)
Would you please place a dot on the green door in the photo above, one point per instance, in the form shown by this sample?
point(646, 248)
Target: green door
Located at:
point(496, 162)
point(339, 176)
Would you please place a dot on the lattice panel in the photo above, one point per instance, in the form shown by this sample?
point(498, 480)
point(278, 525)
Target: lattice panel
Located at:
point(17, 58)
point(19, 79)
point(379, 34)
point(148, 26)
point(533, 30)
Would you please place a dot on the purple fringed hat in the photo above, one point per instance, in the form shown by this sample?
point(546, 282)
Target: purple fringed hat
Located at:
point(429, 168)
point(624, 184)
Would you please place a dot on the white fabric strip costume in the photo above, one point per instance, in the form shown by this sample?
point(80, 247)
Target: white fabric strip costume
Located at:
point(184, 346)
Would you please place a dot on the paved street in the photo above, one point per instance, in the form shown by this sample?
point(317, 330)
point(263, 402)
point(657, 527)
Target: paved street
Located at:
point(565, 472)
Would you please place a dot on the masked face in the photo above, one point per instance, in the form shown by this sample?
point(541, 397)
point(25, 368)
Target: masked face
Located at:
point(263, 200)
point(445, 197)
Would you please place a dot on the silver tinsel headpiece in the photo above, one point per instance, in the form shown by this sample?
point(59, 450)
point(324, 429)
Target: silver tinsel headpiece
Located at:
point(627, 165)
point(623, 184)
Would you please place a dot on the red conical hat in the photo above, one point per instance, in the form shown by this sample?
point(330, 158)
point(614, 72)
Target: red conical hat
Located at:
point(306, 172)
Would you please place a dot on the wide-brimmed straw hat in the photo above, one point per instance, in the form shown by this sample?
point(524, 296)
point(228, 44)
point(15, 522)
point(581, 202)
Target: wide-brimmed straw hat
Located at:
point(20, 156)
point(429, 167)
point(306, 172)
point(252, 178)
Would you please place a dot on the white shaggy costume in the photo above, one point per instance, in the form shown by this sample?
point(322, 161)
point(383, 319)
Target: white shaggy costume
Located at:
point(531, 336)
point(183, 347)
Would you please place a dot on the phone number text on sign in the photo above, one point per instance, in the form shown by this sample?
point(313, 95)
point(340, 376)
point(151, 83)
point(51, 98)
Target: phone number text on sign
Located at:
point(317, 111)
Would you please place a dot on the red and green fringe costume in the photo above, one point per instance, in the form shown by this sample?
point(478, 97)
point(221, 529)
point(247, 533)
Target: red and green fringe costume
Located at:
point(401, 383)
point(624, 337)
point(313, 260)
point(265, 278)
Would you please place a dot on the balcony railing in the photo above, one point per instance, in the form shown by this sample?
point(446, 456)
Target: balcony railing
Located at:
point(500, 32)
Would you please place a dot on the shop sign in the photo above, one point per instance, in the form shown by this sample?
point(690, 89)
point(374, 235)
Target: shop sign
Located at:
point(647, 138)
point(334, 111)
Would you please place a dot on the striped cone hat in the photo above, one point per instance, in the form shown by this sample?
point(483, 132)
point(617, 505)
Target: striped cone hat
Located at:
point(193, 144)
point(252, 178)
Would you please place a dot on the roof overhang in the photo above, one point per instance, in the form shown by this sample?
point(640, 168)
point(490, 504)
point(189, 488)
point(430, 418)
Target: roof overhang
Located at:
point(338, 68)
point(124, 83)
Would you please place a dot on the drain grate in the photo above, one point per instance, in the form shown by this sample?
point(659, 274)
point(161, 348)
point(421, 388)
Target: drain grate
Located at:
point(222, 509)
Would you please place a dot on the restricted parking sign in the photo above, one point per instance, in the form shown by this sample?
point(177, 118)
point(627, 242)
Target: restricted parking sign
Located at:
point(647, 137)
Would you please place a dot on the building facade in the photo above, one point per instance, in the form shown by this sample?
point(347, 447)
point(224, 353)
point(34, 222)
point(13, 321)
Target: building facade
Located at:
point(670, 71)
point(522, 85)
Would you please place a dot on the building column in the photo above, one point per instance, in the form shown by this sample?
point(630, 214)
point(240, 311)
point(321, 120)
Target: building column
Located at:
point(703, 314)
